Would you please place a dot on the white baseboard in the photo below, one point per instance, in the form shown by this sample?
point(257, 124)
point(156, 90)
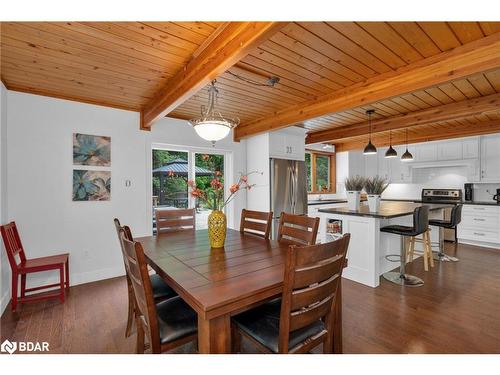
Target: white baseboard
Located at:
point(75, 279)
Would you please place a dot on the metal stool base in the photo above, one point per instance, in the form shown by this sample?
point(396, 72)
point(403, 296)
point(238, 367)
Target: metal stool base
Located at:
point(444, 258)
point(404, 280)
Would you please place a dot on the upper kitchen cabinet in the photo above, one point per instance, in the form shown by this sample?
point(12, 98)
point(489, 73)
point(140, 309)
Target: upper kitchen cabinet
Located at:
point(426, 152)
point(490, 158)
point(287, 143)
point(470, 148)
point(451, 150)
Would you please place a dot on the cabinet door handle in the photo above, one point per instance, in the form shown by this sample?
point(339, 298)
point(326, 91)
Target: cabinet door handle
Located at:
point(479, 208)
point(479, 234)
point(476, 219)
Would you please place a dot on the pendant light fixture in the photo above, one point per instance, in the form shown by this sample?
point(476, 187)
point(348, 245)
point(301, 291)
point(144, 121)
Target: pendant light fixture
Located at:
point(212, 126)
point(370, 149)
point(391, 152)
point(407, 156)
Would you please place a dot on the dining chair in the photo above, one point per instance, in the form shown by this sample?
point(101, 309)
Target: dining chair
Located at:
point(175, 220)
point(304, 315)
point(298, 229)
point(21, 266)
point(167, 324)
point(256, 222)
point(160, 288)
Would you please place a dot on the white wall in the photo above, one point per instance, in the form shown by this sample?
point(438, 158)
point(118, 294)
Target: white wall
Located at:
point(4, 264)
point(258, 198)
point(39, 181)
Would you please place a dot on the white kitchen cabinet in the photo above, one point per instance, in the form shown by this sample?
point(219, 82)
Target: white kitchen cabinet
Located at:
point(371, 165)
point(400, 170)
point(287, 143)
point(449, 150)
point(426, 152)
point(480, 225)
point(384, 165)
point(490, 158)
point(470, 148)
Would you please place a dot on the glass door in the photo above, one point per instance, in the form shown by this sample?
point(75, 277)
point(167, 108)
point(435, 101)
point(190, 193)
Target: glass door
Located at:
point(209, 177)
point(170, 176)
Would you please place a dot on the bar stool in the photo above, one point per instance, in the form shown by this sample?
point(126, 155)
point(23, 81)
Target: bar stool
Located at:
point(427, 254)
point(455, 219)
point(420, 225)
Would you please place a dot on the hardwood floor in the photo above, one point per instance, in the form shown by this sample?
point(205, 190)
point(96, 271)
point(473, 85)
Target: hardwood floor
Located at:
point(456, 311)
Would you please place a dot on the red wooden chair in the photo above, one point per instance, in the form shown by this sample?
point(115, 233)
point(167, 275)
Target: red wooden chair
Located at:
point(22, 266)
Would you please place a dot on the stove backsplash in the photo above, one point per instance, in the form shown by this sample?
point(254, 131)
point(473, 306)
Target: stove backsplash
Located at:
point(482, 192)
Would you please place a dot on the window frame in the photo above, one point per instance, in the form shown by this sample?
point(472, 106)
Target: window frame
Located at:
point(331, 172)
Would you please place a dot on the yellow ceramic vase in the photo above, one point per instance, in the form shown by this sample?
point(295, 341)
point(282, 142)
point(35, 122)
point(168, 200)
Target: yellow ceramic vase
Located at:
point(217, 228)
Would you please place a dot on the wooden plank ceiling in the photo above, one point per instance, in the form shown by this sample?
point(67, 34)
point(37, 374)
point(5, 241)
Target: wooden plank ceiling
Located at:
point(124, 64)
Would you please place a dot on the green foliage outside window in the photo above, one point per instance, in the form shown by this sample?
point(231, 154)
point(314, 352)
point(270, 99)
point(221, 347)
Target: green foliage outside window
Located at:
point(322, 173)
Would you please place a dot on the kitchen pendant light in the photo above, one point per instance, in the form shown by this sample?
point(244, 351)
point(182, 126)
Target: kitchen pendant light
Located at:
point(370, 149)
point(391, 152)
point(407, 156)
point(212, 126)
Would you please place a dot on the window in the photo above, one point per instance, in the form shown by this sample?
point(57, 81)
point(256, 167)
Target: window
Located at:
point(320, 172)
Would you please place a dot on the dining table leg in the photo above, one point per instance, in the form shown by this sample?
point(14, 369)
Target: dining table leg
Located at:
point(214, 335)
point(337, 327)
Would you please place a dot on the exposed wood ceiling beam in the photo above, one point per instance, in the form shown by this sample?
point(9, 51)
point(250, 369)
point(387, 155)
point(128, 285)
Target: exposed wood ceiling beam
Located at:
point(425, 135)
point(445, 112)
point(229, 45)
point(478, 56)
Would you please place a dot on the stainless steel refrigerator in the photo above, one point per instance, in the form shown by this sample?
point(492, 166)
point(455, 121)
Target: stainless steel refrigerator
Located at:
point(288, 189)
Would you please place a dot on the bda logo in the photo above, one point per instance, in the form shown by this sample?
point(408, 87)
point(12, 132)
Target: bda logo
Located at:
point(9, 347)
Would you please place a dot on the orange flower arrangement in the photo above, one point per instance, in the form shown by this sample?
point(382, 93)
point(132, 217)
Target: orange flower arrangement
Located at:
point(214, 196)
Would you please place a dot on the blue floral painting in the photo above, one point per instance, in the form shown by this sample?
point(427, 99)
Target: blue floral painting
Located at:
point(91, 150)
point(91, 185)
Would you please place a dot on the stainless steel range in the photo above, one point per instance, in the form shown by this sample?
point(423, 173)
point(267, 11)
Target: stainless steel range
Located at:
point(451, 196)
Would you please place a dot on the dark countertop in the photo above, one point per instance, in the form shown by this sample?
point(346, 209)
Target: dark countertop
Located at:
point(388, 210)
point(335, 201)
point(326, 201)
point(487, 203)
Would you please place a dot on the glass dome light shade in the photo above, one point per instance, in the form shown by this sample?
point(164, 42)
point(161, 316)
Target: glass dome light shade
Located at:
point(212, 130)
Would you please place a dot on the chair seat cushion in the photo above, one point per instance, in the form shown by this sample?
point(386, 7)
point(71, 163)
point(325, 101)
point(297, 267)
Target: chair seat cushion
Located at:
point(402, 230)
point(175, 319)
point(263, 324)
point(161, 290)
point(441, 223)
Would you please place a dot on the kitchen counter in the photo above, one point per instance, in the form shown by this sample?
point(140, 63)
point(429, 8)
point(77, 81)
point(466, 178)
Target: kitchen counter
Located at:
point(388, 210)
point(325, 201)
point(369, 246)
point(483, 203)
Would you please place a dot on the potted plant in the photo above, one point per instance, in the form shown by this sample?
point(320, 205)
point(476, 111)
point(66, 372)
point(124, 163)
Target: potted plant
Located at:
point(213, 198)
point(353, 186)
point(374, 188)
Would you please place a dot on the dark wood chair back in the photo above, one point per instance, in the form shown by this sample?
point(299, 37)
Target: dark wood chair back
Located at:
point(13, 245)
point(175, 220)
point(298, 229)
point(141, 284)
point(312, 277)
point(256, 222)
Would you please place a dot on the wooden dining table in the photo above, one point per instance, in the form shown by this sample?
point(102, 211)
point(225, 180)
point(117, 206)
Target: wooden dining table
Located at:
point(220, 283)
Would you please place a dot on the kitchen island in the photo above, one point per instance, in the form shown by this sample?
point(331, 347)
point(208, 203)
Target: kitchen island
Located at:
point(369, 247)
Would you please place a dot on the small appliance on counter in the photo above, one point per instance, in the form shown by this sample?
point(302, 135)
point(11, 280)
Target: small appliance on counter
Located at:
point(469, 195)
point(497, 196)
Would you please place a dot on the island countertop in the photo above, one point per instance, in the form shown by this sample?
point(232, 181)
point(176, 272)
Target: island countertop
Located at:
point(388, 210)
